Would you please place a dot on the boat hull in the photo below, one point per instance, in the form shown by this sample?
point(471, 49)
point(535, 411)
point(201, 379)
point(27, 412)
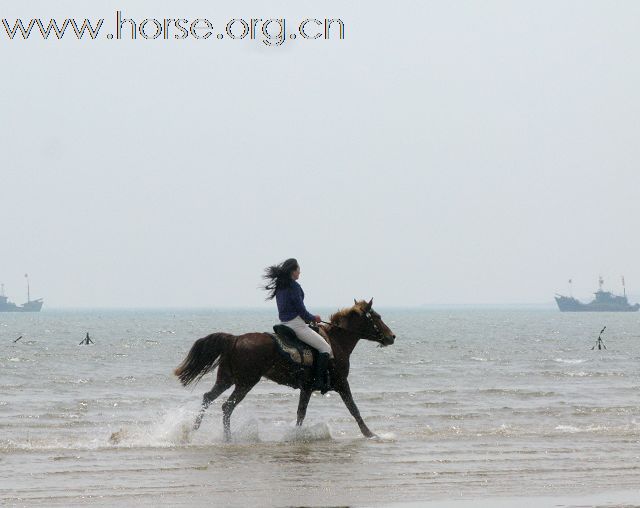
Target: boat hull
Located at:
point(567, 304)
point(32, 306)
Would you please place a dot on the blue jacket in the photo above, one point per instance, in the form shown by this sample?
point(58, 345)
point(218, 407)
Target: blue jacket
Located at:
point(291, 303)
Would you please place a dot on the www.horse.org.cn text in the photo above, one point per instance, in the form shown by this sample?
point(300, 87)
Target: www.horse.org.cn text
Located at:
point(270, 31)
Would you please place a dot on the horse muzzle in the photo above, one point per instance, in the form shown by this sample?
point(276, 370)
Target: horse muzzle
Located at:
point(388, 340)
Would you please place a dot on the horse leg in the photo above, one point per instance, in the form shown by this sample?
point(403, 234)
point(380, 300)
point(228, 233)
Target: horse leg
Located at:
point(208, 398)
point(345, 393)
point(305, 395)
point(227, 408)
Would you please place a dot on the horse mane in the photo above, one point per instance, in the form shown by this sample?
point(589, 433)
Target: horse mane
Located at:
point(358, 308)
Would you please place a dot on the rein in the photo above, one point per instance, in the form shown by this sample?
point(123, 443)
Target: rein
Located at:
point(376, 338)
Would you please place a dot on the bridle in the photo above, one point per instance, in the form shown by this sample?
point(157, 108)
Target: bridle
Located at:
point(379, 337)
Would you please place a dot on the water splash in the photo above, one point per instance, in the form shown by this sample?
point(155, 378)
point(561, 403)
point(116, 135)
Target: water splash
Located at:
point(316, 432)
point(247, 432)
point(174, 430)
point(387, 436)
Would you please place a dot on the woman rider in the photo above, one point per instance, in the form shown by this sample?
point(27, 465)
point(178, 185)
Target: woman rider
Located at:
point(289, 296)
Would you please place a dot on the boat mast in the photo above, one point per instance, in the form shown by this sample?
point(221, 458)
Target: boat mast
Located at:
point(624, 289)
point(26, 276)
point(600, 282)
point(571, 288)
point(1, 289)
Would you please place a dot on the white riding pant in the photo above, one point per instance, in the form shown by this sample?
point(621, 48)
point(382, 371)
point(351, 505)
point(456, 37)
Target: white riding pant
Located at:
point(308, 336)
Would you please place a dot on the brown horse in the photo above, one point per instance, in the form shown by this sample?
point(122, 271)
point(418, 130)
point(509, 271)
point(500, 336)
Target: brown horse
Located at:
point(244, 359)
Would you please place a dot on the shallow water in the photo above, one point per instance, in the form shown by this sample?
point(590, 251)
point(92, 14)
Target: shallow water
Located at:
point(466, 404)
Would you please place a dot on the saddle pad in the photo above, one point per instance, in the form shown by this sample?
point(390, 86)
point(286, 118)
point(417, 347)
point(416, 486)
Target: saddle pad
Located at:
point(291, 347)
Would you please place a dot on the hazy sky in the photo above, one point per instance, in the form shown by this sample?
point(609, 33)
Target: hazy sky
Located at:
point(444, 152)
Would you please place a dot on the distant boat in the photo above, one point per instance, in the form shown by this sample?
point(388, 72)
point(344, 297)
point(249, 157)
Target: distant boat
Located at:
point(29, 306)
point(604, 301)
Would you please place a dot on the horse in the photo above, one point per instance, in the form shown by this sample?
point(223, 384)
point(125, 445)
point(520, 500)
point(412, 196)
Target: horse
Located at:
point(244, 359)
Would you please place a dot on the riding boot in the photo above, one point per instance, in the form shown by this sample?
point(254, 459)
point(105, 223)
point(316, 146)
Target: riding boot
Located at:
point(322, 381)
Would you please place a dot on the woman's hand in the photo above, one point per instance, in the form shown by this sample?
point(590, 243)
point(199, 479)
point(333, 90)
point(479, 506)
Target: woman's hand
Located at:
point(317, 319)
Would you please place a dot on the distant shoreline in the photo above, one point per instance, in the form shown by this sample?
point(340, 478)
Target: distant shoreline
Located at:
point(322, 308)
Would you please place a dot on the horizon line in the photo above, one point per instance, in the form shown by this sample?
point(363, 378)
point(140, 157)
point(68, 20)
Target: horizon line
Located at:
point(261, 308)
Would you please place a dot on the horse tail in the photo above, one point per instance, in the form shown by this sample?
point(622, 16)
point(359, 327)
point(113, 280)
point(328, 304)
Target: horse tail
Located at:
point(203, 357)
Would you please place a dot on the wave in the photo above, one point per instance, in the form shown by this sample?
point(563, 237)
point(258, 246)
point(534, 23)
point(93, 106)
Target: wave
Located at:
point(572, 429)
point(519, 392)
point(603, 410)
point(581, 373)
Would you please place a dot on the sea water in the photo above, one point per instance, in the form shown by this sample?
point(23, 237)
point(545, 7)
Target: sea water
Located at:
point(467, 404)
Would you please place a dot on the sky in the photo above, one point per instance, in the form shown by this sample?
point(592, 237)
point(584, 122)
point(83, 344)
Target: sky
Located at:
point(441, 153)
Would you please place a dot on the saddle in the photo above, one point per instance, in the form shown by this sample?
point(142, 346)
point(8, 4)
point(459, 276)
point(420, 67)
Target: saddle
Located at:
point(292, 348)
point(302, 357)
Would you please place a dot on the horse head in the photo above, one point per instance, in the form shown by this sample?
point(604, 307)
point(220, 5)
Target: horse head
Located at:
point(362, 320)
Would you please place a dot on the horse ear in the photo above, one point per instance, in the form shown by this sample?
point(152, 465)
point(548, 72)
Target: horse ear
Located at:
point(355, 301)
point(370, 304)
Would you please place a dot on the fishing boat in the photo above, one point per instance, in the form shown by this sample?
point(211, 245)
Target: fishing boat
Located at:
point(604, 301)
point(29, 306)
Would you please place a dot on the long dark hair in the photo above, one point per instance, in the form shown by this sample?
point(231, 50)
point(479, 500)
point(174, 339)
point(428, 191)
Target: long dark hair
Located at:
point(279, 276)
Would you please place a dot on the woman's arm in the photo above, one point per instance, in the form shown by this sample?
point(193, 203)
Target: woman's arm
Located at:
point(298, 304)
